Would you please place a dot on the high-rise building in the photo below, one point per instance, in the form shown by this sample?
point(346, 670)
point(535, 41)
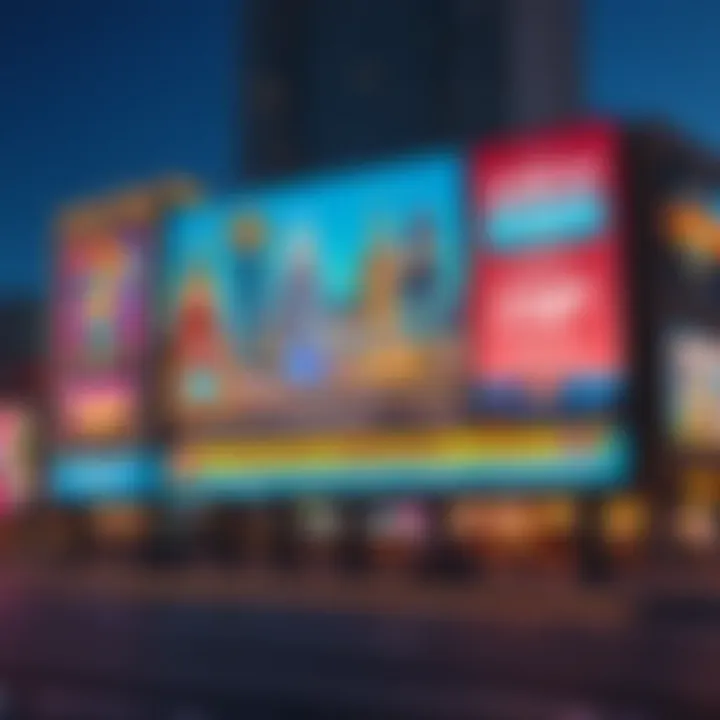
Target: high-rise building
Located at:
point(326, 83)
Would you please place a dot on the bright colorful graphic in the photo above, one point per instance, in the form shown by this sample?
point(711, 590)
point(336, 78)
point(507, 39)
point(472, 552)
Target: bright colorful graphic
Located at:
point(692, 258)
point(551, 329)
point(547, 310)
point(101, 305)
point(334, 302)
point(316, 341)
point(98, 408)
point(427, 461)
point(16, 473)
point(694, 388)
point(107, 475)
point(100, 333)
point(693, 228)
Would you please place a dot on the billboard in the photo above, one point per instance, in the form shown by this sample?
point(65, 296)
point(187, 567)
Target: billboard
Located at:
point(693, 382)
point(547, 312)
point(102, 345)
point(105, 474)
point(316, 342)
point(329, 304)
point(100, 331)
point(690, 219)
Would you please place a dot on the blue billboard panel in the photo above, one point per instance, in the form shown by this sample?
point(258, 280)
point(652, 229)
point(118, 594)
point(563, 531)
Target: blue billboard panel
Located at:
point(332, 301)
point(105, 475)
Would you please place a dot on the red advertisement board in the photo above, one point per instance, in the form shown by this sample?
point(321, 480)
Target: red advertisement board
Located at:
point(547, 313)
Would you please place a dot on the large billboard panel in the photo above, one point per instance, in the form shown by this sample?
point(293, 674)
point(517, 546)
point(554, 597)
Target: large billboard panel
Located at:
point(693, 388)
point(102, 345)
point(690, 222)
point(331, 303)
point(100, 330)
point(316, 339)
point(548, 308)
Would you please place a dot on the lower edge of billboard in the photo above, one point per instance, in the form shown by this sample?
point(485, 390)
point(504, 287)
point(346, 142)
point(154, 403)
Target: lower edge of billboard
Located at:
point(430, 461)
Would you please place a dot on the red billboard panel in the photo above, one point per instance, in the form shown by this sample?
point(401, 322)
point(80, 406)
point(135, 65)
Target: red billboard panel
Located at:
point(547, 313)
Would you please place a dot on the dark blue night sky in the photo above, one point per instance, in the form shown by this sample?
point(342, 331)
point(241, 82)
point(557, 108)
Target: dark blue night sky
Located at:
point(656, 58)
point(94, 94)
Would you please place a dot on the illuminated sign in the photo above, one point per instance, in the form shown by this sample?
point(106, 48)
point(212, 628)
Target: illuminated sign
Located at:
point(547, 310)
point(102, 351)
point(544, 191)
point(694, 229)
point(431, 461)
point(108, 475)
point(316, 337)
point(99, 408)
point(100, 317)
point(329, 303)
point(691, 223)
point(693, 382)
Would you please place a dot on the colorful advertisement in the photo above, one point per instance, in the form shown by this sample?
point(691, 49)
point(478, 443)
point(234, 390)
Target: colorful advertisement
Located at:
point(330, 304)
point(691, 220)
point(316, 343)
point(122, 475)
point(693, 381)
point(547, 316)
point(100, 332)
point(431, 461)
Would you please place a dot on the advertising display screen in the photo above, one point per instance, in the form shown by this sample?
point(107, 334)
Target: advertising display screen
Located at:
point(691, 222)
point(693, 382)
point(100, 332)
point(103, 428)
point(547, 311)
point(123, 475)
point(335, 302)
point(102, 342)
point(316, 342)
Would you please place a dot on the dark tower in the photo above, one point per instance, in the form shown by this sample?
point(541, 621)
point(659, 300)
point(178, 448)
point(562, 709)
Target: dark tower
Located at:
point(325, 82)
